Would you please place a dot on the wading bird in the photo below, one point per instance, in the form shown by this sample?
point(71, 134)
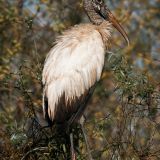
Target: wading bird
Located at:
point(74, 65)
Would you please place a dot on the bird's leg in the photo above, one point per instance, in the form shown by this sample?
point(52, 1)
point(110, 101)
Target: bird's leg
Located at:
point(82, 120)
point(73, 155)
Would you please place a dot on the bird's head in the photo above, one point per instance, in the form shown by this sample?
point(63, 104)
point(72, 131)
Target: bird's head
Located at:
point(98, 12)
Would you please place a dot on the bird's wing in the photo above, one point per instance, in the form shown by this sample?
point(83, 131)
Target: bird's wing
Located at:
point(72, 67)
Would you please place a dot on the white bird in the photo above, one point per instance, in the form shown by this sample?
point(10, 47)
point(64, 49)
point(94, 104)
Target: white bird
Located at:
point(75, 64)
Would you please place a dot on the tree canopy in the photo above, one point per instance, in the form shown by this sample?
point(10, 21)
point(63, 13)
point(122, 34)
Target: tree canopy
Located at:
point(123, 115)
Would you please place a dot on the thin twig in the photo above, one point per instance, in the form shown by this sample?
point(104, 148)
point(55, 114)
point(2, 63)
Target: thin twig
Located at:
point(87, 144)
point(34, 150)
point(73, 156)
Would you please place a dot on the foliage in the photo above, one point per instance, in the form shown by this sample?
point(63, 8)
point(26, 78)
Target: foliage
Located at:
point(123, 116)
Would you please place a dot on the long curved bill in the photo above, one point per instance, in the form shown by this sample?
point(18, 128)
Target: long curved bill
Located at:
point(110, 17)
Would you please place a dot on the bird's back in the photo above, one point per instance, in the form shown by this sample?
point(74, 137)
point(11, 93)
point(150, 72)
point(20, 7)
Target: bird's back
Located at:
point(71, 68)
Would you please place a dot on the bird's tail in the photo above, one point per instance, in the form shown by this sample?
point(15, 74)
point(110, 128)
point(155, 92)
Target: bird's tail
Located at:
point(45, 109)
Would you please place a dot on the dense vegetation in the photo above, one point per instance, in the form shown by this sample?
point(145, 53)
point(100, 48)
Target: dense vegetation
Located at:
point(123, 116)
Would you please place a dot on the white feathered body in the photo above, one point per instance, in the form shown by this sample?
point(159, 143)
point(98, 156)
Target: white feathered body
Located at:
point(72, 67)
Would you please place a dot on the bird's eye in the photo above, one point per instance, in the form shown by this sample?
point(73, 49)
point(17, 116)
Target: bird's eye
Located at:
point(97, 4)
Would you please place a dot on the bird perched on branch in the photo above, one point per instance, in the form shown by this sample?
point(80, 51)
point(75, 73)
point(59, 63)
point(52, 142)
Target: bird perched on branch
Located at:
point(74, 65)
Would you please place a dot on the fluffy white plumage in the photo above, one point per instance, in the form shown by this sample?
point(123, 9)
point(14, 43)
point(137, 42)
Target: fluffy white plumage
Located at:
point(74, 64)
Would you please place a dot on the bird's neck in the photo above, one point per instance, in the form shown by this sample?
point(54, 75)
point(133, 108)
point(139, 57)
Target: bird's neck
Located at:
point(94, 17)
point(105, 30)
point(103, 26)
